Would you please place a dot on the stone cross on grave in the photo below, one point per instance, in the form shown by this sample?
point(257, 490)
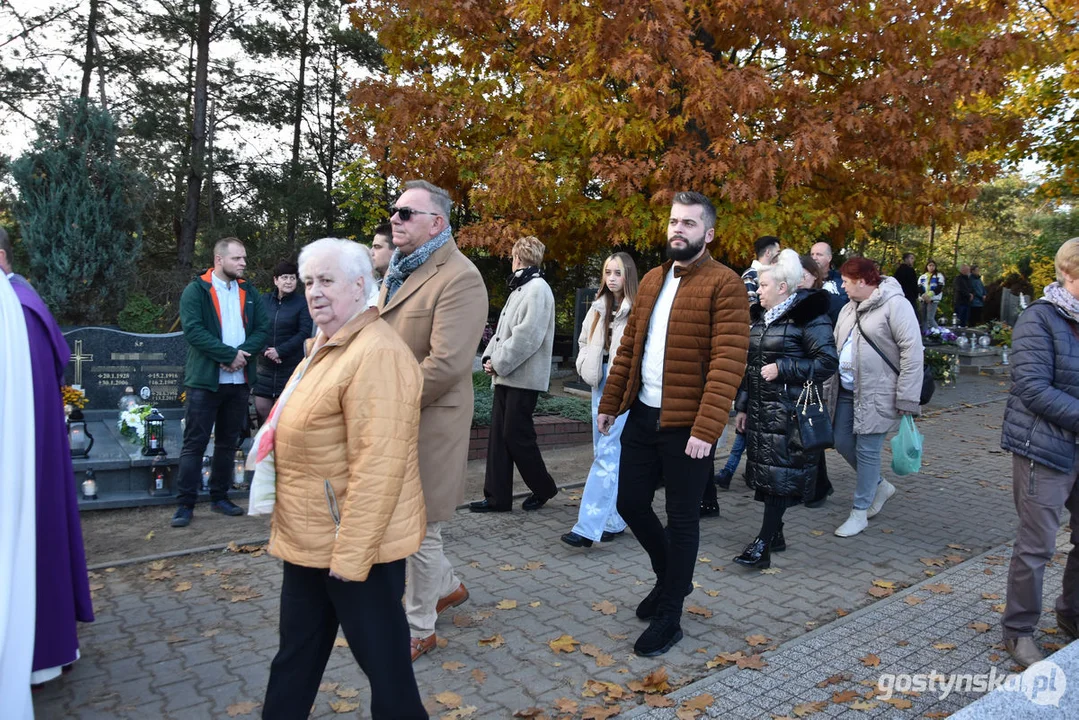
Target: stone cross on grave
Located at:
point(78, 358)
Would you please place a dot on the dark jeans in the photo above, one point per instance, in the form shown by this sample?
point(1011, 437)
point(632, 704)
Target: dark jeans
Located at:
point(1040, 494)
point(228, 409)
point(650, 454)
point(513, 442)
point(313, 605)
point(962, 312)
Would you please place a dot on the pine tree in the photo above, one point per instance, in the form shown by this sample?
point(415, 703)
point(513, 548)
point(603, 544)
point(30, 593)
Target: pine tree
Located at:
point(79, 210)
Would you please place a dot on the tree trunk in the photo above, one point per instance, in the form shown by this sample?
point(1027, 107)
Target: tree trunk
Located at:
point(297, 123)
point(331, 155)
point(932, 236)
point(210, 169)
point(195, 170)
point(91, 43)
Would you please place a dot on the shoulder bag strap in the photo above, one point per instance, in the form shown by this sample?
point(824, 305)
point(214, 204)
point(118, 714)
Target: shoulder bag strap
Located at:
point(873, 345)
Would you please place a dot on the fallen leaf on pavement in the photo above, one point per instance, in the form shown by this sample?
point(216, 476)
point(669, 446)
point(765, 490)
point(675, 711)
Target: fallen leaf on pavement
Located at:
point(870, 660)
point(990, 596)
point(939, 589)
point(755, 640)
point(340, 642)
point(878, 592)
point(602, 659)
point(598, 712)
point(506, 567)
point(459, 713)
point(210, 633)
point(507, 605)
point(698, 610)
point(834, 680)
point(347, 693)
point(840, 612)
point(767, 571)
point(182, 587)
point(999, 607)
point(533, 565)
point(933, 562)
point(899, 703)
point(495, 641)
point(654, 682)
point(537, 603)
point(752, 662)
point(693, 707)
point(450, 699)
point(712, 593)
point(479, 676)
point(816, 533)
point(343, 706)
point(150, 535)
point(155, 575)
point(565, 705)
point(809, 708)
point(979, 627)
point(889, 584)
point(241, 708)
point(563, 643)
point(944, 646)
point(658, 701)
point(453, 665)
point(532, 712)
point(863, 705)
point(845, 696)
point(606, 607)
point(327, 687)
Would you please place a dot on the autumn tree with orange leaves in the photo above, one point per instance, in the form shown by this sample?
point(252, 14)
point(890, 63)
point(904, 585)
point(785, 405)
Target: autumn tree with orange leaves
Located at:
point(576, 120)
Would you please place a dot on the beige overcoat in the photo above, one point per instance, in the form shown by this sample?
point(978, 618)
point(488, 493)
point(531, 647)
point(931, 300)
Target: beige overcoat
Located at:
point(440, 311)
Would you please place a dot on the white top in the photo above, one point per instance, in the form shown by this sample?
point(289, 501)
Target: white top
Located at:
point(655, 345)
point(846, 364)
point(232, 324)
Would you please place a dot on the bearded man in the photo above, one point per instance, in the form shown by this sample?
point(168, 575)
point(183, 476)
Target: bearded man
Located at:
point(676, 372)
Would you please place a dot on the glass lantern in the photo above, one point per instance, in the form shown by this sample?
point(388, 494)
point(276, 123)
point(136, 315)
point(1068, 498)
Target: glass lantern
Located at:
point(153, 439)
point(238, 474)
point(129, 400)
point(78, 435)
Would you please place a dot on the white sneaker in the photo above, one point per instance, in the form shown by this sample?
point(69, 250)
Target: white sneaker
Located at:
point(855, 524)
point(884, 491)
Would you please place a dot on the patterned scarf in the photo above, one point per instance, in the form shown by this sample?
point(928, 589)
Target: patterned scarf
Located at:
point(523, 275)
point(401, 266)
point(772, 315)
point(1056, 294)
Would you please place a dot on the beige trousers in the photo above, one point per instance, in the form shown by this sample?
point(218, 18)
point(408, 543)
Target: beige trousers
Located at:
point(430, 577)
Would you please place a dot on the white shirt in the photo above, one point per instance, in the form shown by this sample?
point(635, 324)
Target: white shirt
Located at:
point(846, 364)
point(655, 345)
point(232, 325)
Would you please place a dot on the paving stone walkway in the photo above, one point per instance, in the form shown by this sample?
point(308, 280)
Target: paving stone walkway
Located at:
point(193, 637)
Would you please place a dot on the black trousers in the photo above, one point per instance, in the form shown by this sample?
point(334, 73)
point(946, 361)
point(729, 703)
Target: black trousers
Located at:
point(513, 442)
point(650, 455)
point(823, 484)
point(976, 315)
point(228, 409)
point(370, 612)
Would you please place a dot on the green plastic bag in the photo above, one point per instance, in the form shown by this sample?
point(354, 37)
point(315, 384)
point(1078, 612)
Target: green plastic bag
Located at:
point(907, 448)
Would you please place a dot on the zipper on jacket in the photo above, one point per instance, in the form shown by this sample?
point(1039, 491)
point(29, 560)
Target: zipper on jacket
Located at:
point(663, 369)
point(1034, 427)
point(335, 512)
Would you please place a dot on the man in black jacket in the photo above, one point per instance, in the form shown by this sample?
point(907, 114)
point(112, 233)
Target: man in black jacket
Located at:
point(964, 293)
point(908, 280)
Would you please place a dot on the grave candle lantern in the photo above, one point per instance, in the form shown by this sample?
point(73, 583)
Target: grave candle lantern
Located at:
point(153, 440)
point(78, 436)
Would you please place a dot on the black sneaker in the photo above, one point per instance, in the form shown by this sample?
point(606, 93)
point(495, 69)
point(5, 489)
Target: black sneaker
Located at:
point(182, 517)
point(226, 507)
point(661, 636)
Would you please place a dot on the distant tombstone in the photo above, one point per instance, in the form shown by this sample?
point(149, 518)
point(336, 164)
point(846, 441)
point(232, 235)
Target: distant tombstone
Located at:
point(582, 302)
point(105, 361)
point(1009, 307)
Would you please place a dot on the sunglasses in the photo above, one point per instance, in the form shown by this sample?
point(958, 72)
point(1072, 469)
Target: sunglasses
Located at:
point(406, 213)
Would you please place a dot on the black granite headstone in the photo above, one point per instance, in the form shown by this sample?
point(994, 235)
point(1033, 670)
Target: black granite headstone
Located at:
point(105, 361)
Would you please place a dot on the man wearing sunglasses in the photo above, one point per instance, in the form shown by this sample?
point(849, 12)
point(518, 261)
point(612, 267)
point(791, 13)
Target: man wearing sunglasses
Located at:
point(434, 297)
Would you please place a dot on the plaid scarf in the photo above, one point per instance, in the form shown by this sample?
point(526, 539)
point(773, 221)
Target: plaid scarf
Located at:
point(401, 266)
point(1056, 294)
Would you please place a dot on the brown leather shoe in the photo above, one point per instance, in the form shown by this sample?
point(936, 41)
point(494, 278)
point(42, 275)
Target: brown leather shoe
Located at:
point(423, 645)
point(452, 600)
point(1024, 650)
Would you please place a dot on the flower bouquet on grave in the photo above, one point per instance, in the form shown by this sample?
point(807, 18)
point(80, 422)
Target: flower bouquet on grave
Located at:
point(132, 422)
point(942, 365)
point(74, 398)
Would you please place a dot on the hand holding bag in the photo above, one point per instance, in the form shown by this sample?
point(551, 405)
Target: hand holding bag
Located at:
point(907, 448)
point(812, 419)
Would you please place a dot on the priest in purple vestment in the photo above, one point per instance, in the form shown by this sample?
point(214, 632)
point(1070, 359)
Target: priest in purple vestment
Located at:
point(63, 587)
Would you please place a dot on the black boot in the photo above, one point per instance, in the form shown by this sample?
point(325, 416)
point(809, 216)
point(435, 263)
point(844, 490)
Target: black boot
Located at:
point(755, 555)
point(647, 609)
point(661, 635)
point(779, 543)
point(709, 500)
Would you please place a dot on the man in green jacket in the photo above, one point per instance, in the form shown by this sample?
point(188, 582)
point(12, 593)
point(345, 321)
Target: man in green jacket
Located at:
point(224, 325)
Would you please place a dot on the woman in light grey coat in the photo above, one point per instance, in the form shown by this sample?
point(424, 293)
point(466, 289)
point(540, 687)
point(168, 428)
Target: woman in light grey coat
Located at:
point(518, 359)
point(866, 396)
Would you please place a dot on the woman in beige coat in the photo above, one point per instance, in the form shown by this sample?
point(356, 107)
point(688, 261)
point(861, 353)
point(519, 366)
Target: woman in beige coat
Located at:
point(866, 397)
point(349, 505)
point(601, 333)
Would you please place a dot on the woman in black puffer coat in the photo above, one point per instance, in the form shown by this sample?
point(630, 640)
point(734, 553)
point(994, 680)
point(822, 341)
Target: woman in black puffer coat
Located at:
point(790, 341)
point(290, 327)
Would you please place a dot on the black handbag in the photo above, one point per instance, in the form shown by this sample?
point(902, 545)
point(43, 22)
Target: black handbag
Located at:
point(812, 419)
point(929, 383)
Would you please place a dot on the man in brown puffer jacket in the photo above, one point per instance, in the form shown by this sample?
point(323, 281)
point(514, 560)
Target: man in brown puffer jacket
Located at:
point(677, 371)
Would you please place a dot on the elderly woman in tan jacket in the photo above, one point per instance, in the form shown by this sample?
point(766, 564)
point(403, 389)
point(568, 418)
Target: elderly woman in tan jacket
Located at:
point(349, 506)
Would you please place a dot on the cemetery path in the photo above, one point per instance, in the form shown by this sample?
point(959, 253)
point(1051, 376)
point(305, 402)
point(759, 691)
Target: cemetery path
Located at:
point(193, 636)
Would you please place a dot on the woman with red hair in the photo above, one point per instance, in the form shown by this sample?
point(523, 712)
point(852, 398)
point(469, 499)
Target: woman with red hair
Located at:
point(879, 380)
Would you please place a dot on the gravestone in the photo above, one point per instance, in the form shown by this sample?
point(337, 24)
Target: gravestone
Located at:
point(1011, 307)
point(105, 361)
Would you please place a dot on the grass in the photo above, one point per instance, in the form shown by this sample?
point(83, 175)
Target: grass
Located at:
point(567, 407)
